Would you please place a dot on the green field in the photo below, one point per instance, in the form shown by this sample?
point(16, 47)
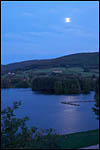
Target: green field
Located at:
point(60, 71)
point(63, 70)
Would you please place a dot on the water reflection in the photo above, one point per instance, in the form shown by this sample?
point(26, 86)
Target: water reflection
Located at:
point(46, 111)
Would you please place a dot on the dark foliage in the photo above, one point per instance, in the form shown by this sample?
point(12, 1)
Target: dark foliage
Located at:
point(96, 108)
point(16, 135)
point(63, 85)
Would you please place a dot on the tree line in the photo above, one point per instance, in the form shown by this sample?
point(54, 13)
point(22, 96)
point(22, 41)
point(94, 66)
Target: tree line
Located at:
point(96, 107)
point(57, 85)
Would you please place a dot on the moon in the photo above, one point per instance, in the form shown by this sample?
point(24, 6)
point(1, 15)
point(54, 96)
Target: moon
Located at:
point(67, 20)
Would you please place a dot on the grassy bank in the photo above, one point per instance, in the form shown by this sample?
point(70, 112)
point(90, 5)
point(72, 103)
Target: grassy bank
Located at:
point(79, 140)
point(69, 141)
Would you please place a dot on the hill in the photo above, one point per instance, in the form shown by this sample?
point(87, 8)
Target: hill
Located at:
point(84, 60)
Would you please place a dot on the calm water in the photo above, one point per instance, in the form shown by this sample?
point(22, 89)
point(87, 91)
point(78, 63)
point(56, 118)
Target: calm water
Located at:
point(46, 111)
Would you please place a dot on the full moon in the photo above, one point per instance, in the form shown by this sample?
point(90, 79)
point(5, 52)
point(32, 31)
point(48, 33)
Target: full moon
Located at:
point(67, 20)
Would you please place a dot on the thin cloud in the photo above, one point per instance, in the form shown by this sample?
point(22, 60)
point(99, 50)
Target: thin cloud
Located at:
point(26, 36)
point(73, 29)
point(53, 31)
point(53, 11)
point(27, 14)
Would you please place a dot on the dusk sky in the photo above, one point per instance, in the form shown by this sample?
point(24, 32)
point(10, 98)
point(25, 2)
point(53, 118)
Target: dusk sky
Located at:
point(41, 30)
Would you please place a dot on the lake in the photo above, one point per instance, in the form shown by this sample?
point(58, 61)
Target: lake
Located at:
point(46, 111)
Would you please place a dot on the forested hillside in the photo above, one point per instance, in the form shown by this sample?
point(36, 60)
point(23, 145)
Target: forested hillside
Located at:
point(84, 60)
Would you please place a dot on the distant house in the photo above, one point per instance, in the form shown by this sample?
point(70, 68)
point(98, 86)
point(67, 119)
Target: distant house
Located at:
point(57, 71)
point(11, 73)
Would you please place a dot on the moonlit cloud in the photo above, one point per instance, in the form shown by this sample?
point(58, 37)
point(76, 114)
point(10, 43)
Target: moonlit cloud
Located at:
point(67, 20)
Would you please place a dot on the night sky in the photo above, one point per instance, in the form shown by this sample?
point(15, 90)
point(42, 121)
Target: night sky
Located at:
point(41, 30)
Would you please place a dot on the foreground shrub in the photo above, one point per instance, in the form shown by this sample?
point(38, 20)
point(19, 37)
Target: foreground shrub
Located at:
point(16, 135)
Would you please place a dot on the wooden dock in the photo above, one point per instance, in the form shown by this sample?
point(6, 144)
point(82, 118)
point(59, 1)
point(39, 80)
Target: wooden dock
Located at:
point(74, 102)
